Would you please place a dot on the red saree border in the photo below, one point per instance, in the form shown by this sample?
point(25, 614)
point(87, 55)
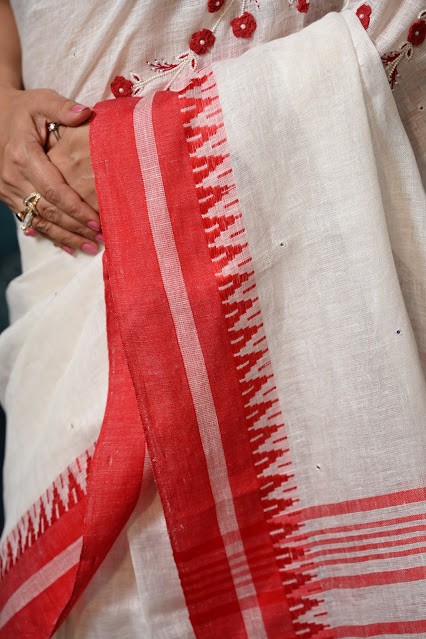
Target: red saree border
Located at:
point(65, 492)
point(40, 555)
point(231, 261)
point(248, 550)
point(53, 570)
point(180, 349)
point(117, 468)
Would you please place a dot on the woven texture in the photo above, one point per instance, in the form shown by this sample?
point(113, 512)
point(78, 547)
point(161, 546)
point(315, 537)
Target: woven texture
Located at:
point(264, 275)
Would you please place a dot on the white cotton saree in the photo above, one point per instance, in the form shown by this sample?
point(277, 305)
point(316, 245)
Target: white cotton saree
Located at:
point(264, 291)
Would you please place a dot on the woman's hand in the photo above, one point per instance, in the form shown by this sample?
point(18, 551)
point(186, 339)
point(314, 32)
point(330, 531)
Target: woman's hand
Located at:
point(71, 155)
point(63, 216)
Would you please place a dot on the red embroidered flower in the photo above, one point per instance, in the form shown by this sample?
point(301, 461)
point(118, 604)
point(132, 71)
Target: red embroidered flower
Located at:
point(417, 32)
point(121, 87)
point(215, 5)
point(364, 12)
point(244, 26)
point(303, 6)
point(202, 41)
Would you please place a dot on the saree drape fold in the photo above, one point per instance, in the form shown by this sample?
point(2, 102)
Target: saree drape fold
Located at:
point(265, 263)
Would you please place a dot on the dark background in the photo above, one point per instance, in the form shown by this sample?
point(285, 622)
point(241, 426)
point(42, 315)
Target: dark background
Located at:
point(10, 267)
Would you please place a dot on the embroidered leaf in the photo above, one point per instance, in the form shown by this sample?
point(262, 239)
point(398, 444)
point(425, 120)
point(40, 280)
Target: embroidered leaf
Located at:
point(387, 58)
point(161, 65)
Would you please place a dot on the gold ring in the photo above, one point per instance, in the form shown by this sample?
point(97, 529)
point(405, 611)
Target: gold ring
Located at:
point(32, 200)
point(26, 216)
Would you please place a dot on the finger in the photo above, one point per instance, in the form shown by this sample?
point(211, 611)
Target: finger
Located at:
point(51, 140)
point(51, 106)
point(58, 217)
point(49, 182)
point(59, 235)
point(53, 214)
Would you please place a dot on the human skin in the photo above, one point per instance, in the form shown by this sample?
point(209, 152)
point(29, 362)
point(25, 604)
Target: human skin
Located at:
point(64, 216)
point(71, 155)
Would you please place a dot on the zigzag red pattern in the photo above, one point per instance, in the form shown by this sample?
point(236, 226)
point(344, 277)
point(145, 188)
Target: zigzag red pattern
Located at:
point(231, 260)
point(65, 492)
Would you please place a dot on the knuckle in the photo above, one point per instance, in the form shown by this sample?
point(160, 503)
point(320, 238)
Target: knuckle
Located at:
point(14, 155)
point(49, 194)
point(74, 211)
point(8, 175)
point(62, 101)
point(41, 224)
point(51, 214)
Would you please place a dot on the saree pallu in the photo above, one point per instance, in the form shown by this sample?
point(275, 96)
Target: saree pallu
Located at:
point(264, 283)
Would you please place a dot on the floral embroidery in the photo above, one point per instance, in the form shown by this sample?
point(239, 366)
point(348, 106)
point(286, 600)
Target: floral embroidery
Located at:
point(161, 66)
point(244, 26)
point(417, 33)
point(363, 13)
point(215, 5)
point(303, 6)
point(416, 36)
point(202, 41)
point(121, 87)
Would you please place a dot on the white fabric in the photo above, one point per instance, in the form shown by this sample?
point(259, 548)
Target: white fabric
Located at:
point(323, 254)
point(363, 266)
point(136, 592)
point(334, 259)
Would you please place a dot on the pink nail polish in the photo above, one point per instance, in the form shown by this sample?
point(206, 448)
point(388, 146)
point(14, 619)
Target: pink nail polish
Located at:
point(67, 249)
point(89, 248)
point(100, 238)
point(78, 108)
point(93, 225)
point(31, 232)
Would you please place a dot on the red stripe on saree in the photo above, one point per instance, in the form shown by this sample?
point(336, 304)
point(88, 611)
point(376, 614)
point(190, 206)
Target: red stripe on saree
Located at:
point(268, 454)
point(42, 553)
point(185, 309)
point(50, 572)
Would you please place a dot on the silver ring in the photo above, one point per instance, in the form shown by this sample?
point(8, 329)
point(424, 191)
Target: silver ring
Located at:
point(52, 127)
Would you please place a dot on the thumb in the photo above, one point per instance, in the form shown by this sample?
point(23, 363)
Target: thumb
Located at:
point(57, 108)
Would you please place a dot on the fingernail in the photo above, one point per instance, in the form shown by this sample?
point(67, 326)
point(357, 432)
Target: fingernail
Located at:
point(93, 225)
point(89, 248)
point(78, 108)
point(67, 249)
point(100, 238)
point(31, 232)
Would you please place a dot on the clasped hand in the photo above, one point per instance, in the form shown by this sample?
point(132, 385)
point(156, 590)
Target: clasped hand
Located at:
point(68, 211)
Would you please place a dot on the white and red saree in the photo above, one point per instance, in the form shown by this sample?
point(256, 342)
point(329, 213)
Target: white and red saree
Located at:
point(264, 274)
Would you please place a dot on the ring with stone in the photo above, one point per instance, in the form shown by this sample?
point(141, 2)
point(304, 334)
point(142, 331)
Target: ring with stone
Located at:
point(53, 127)
point(26, 216)
point(31, 201)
